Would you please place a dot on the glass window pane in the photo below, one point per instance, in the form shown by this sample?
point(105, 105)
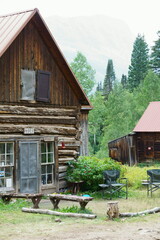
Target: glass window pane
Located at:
point(44, 169)
point(9, 160)
point(8, 172)
point(43, 158)
point(2, 148)
point(49, 178)
point(43, 147)
point(43, 178)
point(2, 172)
point(2, 160)
point(9, 147)
point(49, 169)
point(50, 157)
point(50, 147)
point(28, 87)
point(1, 182)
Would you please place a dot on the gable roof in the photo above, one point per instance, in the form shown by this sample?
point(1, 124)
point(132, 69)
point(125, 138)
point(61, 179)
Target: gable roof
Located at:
point(10, 27)
point(150, 120)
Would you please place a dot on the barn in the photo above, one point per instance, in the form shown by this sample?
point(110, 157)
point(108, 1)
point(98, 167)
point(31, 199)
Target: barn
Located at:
point(143, 144)
point(43, 109)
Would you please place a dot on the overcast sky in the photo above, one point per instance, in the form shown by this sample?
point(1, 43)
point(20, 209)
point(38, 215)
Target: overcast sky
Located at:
point(142, 16)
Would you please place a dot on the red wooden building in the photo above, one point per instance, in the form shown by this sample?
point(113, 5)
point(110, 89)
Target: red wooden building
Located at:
point(143, 145)
point(43, 109)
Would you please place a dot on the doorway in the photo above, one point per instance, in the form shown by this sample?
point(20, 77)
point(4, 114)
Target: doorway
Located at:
point(29, 174)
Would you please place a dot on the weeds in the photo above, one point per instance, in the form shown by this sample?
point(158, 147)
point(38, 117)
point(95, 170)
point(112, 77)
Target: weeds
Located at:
point(75, 209)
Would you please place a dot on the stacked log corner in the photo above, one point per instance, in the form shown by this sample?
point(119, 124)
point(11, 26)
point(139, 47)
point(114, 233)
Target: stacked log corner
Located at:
point(62, 123)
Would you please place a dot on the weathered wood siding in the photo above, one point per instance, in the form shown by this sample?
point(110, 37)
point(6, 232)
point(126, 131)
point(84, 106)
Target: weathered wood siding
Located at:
point(148, 146)
point(29, 51)
point(137, 148)
point(84, 133)
point(60, 117)
point(123, 150)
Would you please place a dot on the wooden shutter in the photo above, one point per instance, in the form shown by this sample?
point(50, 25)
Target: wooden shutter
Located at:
point(43, 86)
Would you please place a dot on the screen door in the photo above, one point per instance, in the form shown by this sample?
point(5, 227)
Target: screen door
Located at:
point(29, 167)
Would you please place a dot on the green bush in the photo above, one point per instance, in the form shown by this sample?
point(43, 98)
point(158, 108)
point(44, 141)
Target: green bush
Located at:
point(89, 170)
point(135, 175)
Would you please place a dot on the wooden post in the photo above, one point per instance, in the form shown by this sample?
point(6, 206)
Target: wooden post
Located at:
point(113, 211)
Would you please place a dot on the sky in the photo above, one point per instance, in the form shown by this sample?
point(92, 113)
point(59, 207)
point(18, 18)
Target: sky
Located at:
point(142, 16)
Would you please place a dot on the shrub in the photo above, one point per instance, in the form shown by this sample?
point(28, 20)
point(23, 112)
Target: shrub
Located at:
point(89, 170)
point(135, 175)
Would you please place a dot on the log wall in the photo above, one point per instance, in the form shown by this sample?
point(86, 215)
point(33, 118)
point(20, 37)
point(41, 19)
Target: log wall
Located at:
point(59, 122)
point(61, 117)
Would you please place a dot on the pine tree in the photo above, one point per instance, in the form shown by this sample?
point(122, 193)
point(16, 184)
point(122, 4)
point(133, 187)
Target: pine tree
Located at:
point(99, 87)
point(124, 81)
point(155, 56)
point(139, 63)
point(109, 79)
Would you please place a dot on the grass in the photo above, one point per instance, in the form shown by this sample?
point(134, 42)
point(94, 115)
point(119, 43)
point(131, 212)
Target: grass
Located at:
point(75, 209)
point(13, 221)
point(137, 201)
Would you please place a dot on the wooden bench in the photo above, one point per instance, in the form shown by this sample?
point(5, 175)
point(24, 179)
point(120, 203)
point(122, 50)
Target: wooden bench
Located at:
point(36, 198)
point(55, 199)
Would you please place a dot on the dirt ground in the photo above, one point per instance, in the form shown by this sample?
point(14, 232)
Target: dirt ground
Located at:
point(47, 228)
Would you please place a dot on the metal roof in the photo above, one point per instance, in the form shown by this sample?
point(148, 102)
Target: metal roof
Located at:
point(150, 120)
point(11, 25)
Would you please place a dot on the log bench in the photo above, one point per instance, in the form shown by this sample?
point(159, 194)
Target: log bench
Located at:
point(36, 198)
point(56, 198)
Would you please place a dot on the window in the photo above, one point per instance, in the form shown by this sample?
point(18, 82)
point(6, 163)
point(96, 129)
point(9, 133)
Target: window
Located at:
point(6, 164)
point(35, 87)
point(28, 84)
point(43, 82)
point(47, 163)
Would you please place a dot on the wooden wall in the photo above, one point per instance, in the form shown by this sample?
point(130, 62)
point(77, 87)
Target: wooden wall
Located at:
point(29, 51)
point(123, 150)
point(63, 123)
point(148, 146)
point(84, 133)
point(60, 117)
point(137, 148)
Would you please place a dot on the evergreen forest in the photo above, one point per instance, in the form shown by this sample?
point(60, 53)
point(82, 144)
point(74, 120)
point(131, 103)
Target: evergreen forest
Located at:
point(118, 104)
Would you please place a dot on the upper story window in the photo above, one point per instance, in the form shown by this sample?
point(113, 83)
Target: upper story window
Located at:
point(35, 85)
point(28, 84)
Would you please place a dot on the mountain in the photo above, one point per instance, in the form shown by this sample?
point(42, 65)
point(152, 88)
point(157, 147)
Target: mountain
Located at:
point(98, 37)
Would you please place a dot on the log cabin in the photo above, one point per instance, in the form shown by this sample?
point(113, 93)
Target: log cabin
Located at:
point(143, 144)
point(43, 108)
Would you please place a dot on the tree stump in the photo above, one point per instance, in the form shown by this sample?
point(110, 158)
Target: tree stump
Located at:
point(113, 211)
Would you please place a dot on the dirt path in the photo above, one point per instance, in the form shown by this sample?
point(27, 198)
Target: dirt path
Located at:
point(85, 231)
point(46, 228)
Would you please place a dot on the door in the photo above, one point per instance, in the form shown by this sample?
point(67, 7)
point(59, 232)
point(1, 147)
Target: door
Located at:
point(29, 177)
point(149, 149)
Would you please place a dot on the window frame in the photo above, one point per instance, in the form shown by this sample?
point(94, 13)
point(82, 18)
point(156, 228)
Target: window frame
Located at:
point(40, 81)
point(31, 84)
point(47, 163)
point(6, 166)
